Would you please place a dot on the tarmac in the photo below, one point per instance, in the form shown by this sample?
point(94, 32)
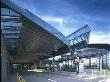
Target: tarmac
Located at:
point(62, 76)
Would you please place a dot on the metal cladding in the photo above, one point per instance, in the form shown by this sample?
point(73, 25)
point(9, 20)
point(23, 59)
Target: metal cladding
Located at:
point(91, 52)
point(79, 33)
point(28, 37)
point(36, 20)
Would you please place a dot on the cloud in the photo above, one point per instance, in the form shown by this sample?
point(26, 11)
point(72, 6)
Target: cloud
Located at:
point(68, 16)
point(26, 4)
point(66, 26)
point(87, 18)
point(53, 19)
point(61, 24)
point(99, 37)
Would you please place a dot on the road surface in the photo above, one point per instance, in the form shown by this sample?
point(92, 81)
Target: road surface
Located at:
point(30, 76)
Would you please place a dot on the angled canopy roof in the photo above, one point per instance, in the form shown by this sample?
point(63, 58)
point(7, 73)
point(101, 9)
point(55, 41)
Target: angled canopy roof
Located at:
point(100, 46)
point(27, 36)
point(44, 25)
point(94, 50)
point(91, 52)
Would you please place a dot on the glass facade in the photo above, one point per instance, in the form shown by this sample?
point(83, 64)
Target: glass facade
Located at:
point(105, 60)
point(80, 34)
point(79, 39)
point(11, 26)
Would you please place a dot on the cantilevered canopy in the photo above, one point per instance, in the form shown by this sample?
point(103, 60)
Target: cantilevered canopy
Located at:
point(91, 52)
point(100, 46)
point(94, 50)
point(28, 38)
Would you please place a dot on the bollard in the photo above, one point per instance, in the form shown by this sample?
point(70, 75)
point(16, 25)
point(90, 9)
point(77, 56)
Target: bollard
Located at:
point(92, 72)
point(109, 74)
point(104, 73)
point(101, 72)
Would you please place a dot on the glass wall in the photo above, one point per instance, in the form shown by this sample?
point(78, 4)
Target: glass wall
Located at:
point(11, 26)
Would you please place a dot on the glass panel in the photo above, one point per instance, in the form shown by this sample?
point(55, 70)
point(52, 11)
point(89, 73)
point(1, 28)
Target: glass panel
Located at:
point(6, 11)
point(11, 36)
point(11, 26)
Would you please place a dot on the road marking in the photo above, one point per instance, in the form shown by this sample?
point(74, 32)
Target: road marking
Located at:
point(29, 70)
point(52, 80)
point(102, 81)
point(49, 79)
point(90, 78)
point(106, 80)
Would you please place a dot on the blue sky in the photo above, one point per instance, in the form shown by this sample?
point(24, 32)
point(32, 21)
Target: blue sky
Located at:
point(70, 15)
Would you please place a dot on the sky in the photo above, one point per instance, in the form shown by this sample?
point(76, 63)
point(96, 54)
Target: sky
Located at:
point(69, 15)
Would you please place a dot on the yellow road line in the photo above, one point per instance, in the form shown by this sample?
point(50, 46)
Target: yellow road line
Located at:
point(19, 78)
